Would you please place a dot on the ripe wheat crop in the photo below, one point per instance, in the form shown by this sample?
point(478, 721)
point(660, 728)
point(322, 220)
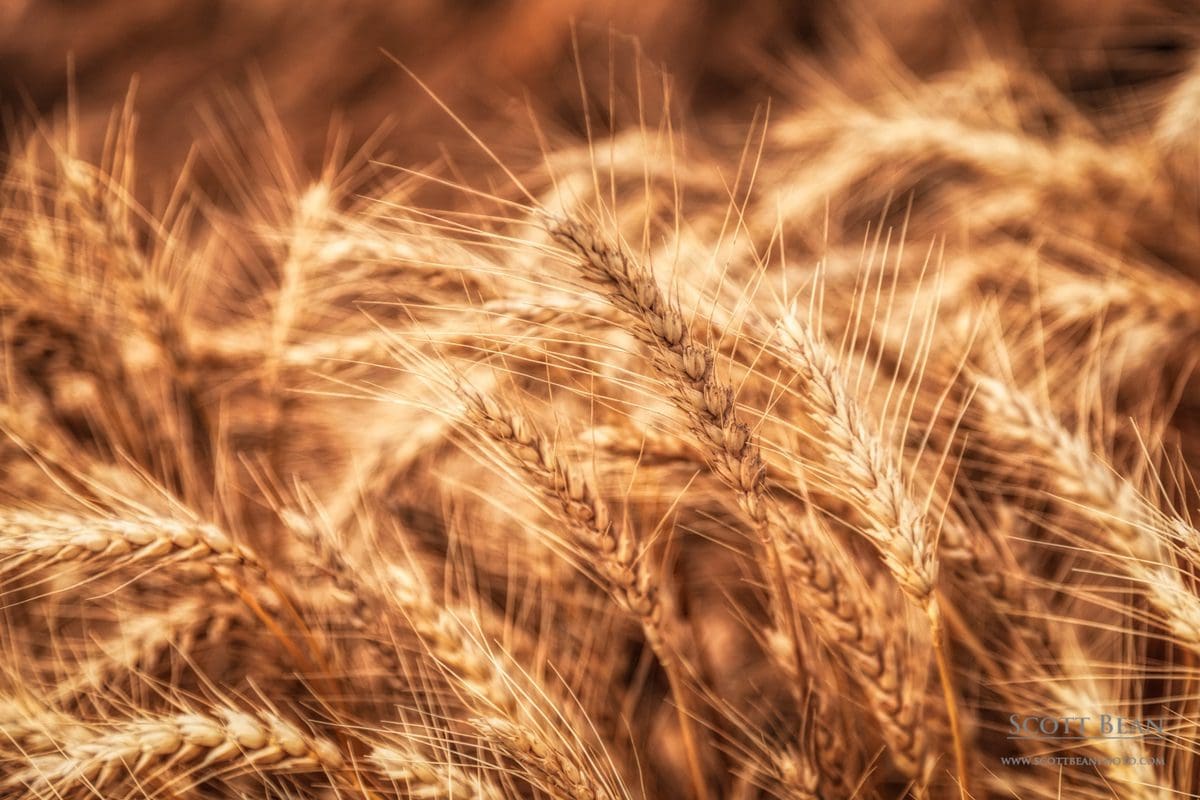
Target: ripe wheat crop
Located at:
point(837, 448)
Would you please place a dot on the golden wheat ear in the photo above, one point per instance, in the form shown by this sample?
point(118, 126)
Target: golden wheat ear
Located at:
point(609, 546)
point(825, 592)
point(412, 771)
point(182, 750)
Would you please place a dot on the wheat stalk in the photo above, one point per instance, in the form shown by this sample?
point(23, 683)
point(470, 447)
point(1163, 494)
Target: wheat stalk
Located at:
point(1128, 523)
point(144, 640)
point(191, 747)
point(562, 777)
point(606, 544)
point(487, 682)
point(425, 778)
point(828, 594)
point(34, 543)
point(859, 468)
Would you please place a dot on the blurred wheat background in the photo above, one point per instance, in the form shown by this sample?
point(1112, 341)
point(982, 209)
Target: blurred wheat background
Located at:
point(599, 401)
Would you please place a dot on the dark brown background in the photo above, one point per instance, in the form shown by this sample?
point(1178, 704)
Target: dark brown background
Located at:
point(202, 59)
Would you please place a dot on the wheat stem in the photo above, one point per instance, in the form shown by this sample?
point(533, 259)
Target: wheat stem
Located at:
point(830, 595)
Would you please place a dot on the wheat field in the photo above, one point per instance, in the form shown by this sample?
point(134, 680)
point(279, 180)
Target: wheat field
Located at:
point(738, 403)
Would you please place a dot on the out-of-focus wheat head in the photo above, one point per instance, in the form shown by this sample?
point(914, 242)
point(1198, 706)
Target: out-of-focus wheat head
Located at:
point(787, 455)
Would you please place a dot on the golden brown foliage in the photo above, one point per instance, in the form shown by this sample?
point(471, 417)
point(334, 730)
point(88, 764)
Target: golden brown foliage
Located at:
point(702, 451)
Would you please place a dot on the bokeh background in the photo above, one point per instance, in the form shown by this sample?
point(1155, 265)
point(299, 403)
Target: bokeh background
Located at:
point(192, 63)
